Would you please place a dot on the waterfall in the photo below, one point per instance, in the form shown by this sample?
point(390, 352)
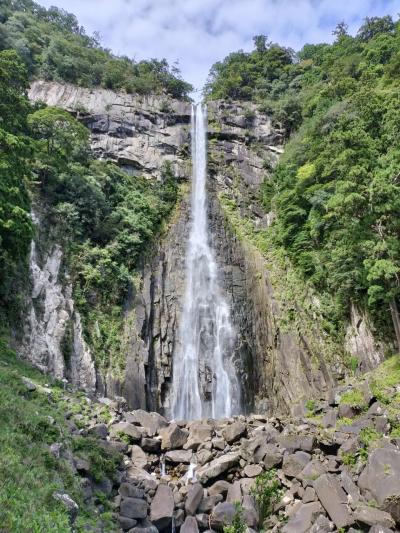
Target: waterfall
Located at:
point(204, 378)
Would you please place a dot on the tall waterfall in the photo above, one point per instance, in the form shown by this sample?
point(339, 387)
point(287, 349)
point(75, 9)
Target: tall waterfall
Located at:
point(204, 378)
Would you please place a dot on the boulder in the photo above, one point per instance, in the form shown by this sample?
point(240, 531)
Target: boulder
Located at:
point(219, 487)
point(203, 456)
point(380, 529)
point(253, 450)
point(190, 525)
point(145, 527)
point(309, 495)
point(133, 508)
point(193, 499)
point(252, 470)
point(29, 385)
point(272, 457)
point(297, 442)
point(234, 432)
point(149, 444)
point(202, 520)
point(312, 470)
point(322, 525)
point(381, 477)
point(199, 433)
point(250, 512)
point(124, 428)
point(162, 507)
point(130, 491)
point(179, 456)
point(346, 411)
point(332, 496)
point(173, 437)
point(68, 503)
point(207, 504)
point(329, 419)
point(234, 492)
point(222, 516)
point(294, 463)
point(218, 443)
point(217, 466)
point(126, 523)
point(152, 422)
point(351, 489)
point(371, 517)
point(303, 518)
point(101, 430)
point(138, 456)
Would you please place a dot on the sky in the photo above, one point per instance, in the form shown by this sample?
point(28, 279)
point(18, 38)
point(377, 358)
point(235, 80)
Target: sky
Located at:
point(197, 33)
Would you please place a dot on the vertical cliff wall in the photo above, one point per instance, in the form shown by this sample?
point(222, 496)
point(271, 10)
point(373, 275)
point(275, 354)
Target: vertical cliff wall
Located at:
point(282, 353)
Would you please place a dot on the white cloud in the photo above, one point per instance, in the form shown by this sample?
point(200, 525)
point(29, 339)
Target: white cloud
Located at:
point(199, 32)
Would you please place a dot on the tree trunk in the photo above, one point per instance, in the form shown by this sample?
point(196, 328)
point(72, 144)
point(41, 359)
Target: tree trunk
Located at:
point(396, 320)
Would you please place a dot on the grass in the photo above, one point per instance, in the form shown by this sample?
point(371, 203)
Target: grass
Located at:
point(30, 421)
point(354, 398)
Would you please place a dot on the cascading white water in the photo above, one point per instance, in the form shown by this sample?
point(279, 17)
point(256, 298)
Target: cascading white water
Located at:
point(204, 378)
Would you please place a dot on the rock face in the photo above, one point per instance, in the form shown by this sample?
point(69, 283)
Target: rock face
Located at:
point(282, 354)
point(138, 133)
point(269, 356)
point(50, 317)
point(360, 341)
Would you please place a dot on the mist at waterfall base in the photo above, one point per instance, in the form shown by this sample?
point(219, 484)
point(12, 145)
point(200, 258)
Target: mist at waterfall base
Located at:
point(205, 383)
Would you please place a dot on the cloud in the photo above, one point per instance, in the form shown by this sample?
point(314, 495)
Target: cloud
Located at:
point(199, 32)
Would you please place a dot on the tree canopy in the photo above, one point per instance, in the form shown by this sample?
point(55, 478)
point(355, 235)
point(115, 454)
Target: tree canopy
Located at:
point(54, 46)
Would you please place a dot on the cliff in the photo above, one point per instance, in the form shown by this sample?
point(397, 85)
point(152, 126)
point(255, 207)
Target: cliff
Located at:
point(283, 354)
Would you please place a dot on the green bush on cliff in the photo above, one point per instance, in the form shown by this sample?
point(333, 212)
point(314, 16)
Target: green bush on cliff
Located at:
point(336, 190)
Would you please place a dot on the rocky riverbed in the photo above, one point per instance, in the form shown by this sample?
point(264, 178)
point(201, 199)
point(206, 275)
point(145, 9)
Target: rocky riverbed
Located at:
point(336, 468)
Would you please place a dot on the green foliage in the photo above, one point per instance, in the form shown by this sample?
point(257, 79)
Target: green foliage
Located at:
point(54, 47)
point(238, 522)
point(369, 436)
point(385, 378)
point(267, 493)
point(103, 461)
point(336, 190)
point(354, 398)
point(310, 405)
point(349, 459)
point(241, 73)
point(15, 223)
point(29, 423)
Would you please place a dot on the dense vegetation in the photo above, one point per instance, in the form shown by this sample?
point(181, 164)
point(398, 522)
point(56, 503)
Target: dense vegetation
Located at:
point(336, 190)
point(54, 47)
point(104, 217)
point(30, 422)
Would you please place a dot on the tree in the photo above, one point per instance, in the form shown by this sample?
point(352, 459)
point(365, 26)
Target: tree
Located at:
point(341, 30)
point(373, 26)
point(260, 43)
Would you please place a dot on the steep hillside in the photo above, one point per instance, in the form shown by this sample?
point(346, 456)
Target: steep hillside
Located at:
point(334, 195)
